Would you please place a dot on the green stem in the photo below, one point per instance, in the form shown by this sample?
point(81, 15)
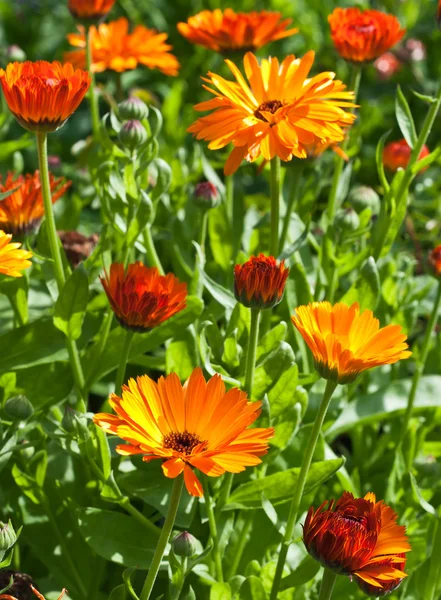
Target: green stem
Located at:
point(93, 98)
point(297, 170)
point(201, 262)
point(152, 256)
point(229, 197)
point(251, 352)
point(300, 485)
point(275, 206)
point(213, 532)
point(204, 226)
point(327, 585)
point(101, 344)
point(123, 361)
point(434, 578)
point(243, 539)
point(163, 538)
point(18, 317)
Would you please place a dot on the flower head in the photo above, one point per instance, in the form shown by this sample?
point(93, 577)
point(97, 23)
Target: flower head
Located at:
point(260, 282)
point(345, 342)
point(362, 36)
point(22, 211)
point(43, 95)
point(141, 298)
point(12, 259)
point(115, 49)
point(229, 31)
point(435, 260)
point(387, 65)
point(358, 537)
point(197, 425)
point(206, 195)
point(77, 246)
point(396, 155)
point(90, 10)
point(278, 113)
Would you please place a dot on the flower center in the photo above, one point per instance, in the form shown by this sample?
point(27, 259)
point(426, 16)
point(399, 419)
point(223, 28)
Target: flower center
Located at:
point(182, 442)
point(363, 28)
point(270, 106)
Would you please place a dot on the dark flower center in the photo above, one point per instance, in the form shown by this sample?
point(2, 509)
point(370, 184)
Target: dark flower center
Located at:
point(182, 442)
point(271, 106)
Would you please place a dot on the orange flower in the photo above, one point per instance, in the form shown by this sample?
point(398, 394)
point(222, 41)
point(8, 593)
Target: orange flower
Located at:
point(43, 95)
point(279, 113)
point(41, 597)
point(345, 342)
point(363, 36)
point(358, 537)
point(435, 260)
point(316, 150)
point(396, 155)
point(141, 298)
point(12, 260)
point(197, 425)
point(114, 48)
point(22, 211)
point(90, 10)
point(260, 282)
point(227, 30)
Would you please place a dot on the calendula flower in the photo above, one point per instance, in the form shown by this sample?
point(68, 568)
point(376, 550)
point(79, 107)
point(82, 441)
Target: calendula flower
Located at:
point(90, 10)
point(22, 211)
point(345, 342)
point(279, 113)
point(396, 155)
point(435, 260)
point(359, 537)
point(225, 31)
point(197, 425)
point(115, 49)
point(43, 95)
point(141, 298)
point(316, 150)
point(260, 282)
point(12, 259)
point(362, 36)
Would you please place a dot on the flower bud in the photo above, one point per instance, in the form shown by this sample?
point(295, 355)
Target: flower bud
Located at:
point(387, 65)
point(133, 109)
point(184, 544)
point(133, 135)
point(435, 261)
point(69, 422)
point(260, 282)
point(396, 155)
point(19, 408)
point(15, 54)
point(347, 220)
point(363, 196)
point(206, 195)
point(8, 537)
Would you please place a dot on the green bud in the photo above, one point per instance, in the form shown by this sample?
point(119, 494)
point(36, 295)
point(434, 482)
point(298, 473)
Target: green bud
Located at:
point(69, 421)
point(347, 220)
point(184, 544)
point(133, 135)
point(133, 109)
point(206, 195)
point(19, 408)
point(8, 537)
point(362, 196)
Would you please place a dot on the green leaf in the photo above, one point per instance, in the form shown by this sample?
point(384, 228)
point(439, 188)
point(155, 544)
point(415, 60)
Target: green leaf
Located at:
point(379, 160)
point(8, 148)
point(232, 351)
point(127, 580)
point(252, 589)
point(343, 185)
point(424, 98)
point(163, 174)
point(8, 193)
point(272, 368)
point(71, 304)
point(27, 484)
point(366, 289)
point(420, 498)
point(181, 356)
point(221, 241)
point(140, 220)
point(404, 118)
point(220, 591)
point(118, 593)
point(306, 571)
point(221, 294)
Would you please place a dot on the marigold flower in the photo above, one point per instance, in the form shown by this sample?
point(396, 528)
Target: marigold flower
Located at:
point(141, 298)
point(345, 342)
point(316, 150)
point(197, 425)
point(260, 282)
point(358, 537)
point(229, 31)
point(90, 10)
point(362, 36)
point(12, 259)
point(435, 260)
point(279, 113)
point(396, 155)
point(115, 49)
point(22, 211)
point(43, 95)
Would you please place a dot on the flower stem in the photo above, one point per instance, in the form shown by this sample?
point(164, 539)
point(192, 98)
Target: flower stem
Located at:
point(93, 98)
point(163, 538)
point(275, 206)
point(251, 352)
point(152, 255)
point(300, 486)
point(54, 244)
point(213, 532)
point(123, 361)
point(229, 197)
point(434, 578)
point(297, 171)
point(327, 585)
point(202, 240)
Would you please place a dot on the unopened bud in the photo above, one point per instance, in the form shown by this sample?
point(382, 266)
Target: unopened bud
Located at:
point(19, 408)
point(133, 109)
point(206, 195)
point(133, 134)
point(8, 537)
point(184, 544)
point(363, 196)
point(347, 220)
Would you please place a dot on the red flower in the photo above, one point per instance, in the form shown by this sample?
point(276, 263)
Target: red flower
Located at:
point(358, 537)
point(435, 260)
point(396, 155)
point(260, 282)
point(90, 10)
point(141, 298)
point(387, 65)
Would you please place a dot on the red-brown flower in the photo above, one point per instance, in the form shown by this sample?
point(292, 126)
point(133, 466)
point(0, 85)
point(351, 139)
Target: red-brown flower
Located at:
point(362, 36)
point(396, 155)
point(358, 537)
point(438, 14)
point(435, 260)
point(260, 282)
point(43, 95)
point(90, 10)
point(141, 298)
point(22, 211)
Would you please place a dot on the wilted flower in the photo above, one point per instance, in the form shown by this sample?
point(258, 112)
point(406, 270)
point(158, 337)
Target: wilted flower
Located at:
point(197, 425)
point(12, 259)
point(41, 597)
point(77, 246)
point(260, 282)
point(435, 260)
point(90, 10)
point(396, 155)
point(20, 588)
point(206, 195)
point(387, 65)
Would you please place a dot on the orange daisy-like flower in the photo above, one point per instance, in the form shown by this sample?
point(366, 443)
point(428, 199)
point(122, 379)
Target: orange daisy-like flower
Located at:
point(279, 113)
point(359, 537)
point(43, 95)
point(90, 10)
point(435, 260)
point(396, 155)
point(22, 211)
point(226, 30)
point(141, 298)
point(362, 36)
point(345, 342)
point(260, 282)
point(197, 425)
point(316, 150)
point(115, 49)
point(12, 259)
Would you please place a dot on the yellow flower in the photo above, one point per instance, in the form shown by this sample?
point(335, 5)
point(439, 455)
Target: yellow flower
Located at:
point(12, 260)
